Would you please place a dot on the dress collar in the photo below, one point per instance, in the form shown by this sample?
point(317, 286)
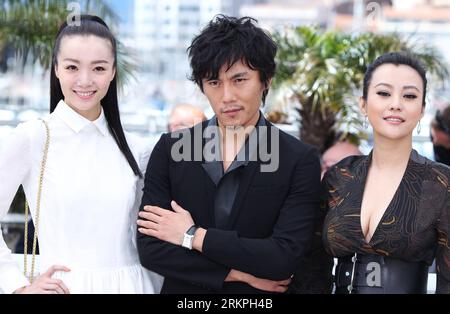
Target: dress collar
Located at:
point(77, 122)
point(413, 156)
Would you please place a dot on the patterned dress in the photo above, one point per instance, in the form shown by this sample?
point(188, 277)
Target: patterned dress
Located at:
point(415, 226)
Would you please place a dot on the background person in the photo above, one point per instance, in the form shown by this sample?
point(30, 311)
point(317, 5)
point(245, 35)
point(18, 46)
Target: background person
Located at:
point(185, 116)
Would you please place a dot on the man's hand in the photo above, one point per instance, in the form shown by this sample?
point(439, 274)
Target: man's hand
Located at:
point(164, 224)
point(259, 283)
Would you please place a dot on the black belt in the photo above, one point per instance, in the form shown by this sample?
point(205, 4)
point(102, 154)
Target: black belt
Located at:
point(376, 274)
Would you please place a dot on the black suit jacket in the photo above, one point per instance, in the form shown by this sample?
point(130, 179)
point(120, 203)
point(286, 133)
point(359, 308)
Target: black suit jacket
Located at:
point(270, 225)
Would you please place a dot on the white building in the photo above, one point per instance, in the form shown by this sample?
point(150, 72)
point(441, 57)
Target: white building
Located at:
point(276, 15)
point(430, 24)
point(427, 21)
point(164, 30)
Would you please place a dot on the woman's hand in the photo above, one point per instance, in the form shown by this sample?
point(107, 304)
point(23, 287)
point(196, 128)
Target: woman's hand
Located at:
point(259, 283)
point(45, 284)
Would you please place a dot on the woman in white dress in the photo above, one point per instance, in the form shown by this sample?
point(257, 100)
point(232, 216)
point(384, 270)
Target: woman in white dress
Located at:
point(92, 180)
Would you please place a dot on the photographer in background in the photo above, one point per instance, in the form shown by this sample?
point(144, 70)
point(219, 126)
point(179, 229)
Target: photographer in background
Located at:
point(440, 135)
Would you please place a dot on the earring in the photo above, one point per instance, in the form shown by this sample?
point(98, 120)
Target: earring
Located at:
point(419, 128)
point(366, 123)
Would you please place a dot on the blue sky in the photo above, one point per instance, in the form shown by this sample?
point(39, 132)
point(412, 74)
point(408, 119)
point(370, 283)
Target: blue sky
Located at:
point(124, 8)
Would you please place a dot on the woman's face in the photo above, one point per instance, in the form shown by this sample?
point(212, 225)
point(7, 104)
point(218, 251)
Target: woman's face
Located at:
point(394, 101)
point(85, 68)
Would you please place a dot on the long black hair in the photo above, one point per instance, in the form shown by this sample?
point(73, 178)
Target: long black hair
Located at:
point(93, 25)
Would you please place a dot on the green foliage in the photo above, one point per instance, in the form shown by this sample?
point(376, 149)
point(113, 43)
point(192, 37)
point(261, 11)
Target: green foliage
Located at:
point(30, 27)
point(325, 72)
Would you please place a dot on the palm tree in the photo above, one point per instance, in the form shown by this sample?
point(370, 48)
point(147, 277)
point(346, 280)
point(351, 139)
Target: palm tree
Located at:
point(324, 70)
point(28, 28)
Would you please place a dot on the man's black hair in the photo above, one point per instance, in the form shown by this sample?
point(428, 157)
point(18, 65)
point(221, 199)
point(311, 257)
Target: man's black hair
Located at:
point(226, 40)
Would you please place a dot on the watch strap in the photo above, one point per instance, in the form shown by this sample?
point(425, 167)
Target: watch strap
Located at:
point(191, 230)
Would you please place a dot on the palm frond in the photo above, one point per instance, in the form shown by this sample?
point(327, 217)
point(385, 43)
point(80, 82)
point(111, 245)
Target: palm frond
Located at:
point(324, 69)
point(29, 27)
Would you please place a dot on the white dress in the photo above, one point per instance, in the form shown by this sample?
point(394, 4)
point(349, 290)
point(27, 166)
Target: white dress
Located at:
point(89, 204)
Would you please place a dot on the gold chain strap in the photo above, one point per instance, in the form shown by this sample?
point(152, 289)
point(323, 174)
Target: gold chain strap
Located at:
point(38, 207)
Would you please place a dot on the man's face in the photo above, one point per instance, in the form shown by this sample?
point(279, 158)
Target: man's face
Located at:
point(235, 96)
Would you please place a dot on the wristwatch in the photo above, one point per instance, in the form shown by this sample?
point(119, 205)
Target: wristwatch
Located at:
point(188, 237)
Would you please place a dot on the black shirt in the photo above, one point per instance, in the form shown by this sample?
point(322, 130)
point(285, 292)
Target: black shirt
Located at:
point(227, 183)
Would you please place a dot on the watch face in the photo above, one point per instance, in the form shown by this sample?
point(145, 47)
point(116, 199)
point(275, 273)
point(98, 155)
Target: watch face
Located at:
point(187, 241)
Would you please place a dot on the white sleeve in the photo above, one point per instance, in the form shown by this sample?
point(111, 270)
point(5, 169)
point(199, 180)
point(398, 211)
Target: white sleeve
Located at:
point(145, 156)
point(14, 167)
point(143, 161)
point(144, 149)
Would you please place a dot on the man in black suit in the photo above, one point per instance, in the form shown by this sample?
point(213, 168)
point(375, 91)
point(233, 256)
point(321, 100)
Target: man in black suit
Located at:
point(229, 205)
